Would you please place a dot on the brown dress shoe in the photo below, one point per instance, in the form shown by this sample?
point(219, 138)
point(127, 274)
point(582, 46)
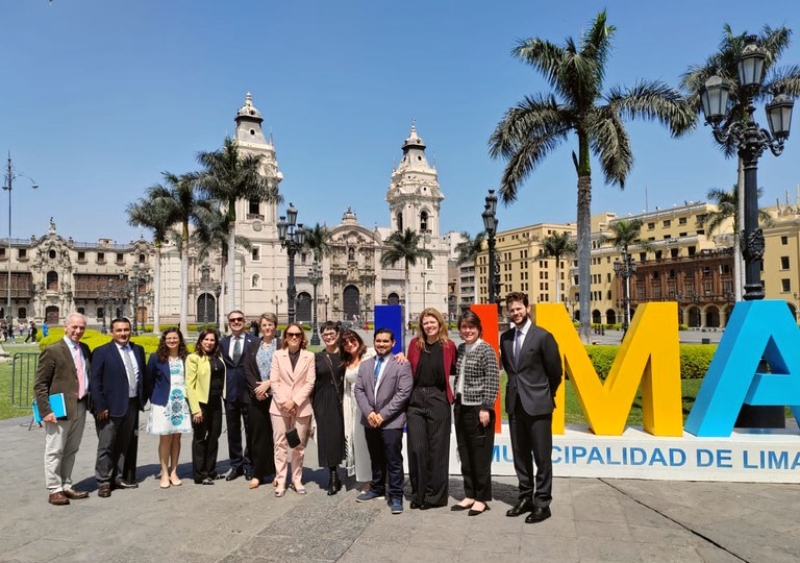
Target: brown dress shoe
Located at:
point(72, 494)
point(104, 491)
point(59, 499)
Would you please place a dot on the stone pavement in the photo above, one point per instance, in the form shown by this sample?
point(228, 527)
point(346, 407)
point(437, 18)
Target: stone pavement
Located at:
point(593, 519)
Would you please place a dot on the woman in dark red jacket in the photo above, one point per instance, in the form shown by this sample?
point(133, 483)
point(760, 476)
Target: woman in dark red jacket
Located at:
point(433, 360)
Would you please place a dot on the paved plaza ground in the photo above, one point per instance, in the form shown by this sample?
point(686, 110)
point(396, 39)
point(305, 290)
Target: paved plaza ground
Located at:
point(593, 519)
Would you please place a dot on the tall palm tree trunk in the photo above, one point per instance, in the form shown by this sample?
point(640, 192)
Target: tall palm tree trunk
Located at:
point(157, 291)
point(220, 308)
point(184, 281)
point(584, 253)
point(231, 267)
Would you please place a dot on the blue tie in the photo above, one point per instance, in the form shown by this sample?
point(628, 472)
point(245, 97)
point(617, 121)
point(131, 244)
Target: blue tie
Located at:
point(378, 368)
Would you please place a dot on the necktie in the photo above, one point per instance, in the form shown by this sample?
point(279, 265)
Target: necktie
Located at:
point(237, 350)
point(517, 346)
point(126, 357)
point(378, 365)
point(81, 371)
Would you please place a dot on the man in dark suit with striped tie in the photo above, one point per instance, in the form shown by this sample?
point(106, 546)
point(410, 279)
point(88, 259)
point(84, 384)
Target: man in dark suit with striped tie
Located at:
point(117, 398)
point(533, 365)
point(236, 396)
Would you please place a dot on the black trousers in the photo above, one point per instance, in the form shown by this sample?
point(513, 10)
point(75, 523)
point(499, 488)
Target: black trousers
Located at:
point(114, 436)
point(235, 413)
point(386, 458)
point(205, 440)
point(428, 420)
point(262, 449)
point(475, 448)
point(532, 434)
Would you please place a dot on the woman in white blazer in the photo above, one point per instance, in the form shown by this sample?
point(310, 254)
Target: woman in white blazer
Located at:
point(291, 380)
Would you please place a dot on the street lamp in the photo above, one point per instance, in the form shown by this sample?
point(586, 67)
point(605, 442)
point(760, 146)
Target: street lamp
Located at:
point(292, 236)
point(696, 299)
point(136, 278)
point(750, 140)
point(314, 276)
point(104, 296)
point(426, 238)
point(326, 301)
point(276, 301)
point(8, 186)
point(625, 268)
point(490, 223)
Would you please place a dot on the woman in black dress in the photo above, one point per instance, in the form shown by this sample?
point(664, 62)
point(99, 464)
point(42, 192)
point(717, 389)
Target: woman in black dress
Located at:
point(327, 403)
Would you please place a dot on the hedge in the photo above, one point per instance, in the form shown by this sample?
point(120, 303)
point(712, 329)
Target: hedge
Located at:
point(695, 359)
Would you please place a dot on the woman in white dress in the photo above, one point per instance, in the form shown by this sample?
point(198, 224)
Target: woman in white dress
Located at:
point(357, 462)
point(169, 412)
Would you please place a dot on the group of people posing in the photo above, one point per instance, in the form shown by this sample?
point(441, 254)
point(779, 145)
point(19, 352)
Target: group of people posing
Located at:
point(354, 399)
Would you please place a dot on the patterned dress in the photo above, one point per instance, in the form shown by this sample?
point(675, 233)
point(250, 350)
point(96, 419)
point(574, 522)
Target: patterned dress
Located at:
point(174, 417)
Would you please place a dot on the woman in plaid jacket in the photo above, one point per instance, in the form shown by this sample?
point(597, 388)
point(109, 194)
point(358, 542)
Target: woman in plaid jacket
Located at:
point(477, 383)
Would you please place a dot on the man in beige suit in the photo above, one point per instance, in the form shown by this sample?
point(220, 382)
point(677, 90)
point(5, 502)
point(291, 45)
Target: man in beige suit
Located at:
point(63, 368)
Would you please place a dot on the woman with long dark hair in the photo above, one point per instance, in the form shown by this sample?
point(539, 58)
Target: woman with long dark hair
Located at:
point(477, 383)
point(357, 462)
point(257, 366)
point(327, 403)
point(433, 360)
point(205, 390)
point(165, 385)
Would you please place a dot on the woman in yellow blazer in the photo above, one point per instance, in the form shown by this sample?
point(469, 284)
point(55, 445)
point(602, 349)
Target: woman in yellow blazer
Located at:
point(291, 381)
point(205, 390)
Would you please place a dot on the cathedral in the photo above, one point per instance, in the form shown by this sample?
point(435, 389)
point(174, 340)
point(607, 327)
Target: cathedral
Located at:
point(104, 279)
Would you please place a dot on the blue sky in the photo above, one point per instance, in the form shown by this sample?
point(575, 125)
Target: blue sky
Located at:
point(100, 96)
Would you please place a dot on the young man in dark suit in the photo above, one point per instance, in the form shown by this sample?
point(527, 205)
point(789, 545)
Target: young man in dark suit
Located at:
point(236, 396)
point(532, 363)
point(382, 391)
point(63, 368)
point(117, 398)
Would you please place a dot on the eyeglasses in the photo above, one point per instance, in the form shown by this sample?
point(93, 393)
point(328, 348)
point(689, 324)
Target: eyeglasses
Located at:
point(294, 335)
point(236, 320)
point(329, 335)
point(349, 341)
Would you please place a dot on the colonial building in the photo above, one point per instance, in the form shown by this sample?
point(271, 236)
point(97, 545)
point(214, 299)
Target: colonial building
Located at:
point(52, 275)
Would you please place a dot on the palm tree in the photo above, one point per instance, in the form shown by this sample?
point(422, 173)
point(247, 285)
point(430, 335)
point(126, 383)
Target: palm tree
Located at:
point(533, 129)
point(723, 63)
point(212, 235)
point(555, 246)
point(317, 240)
point(179, 199)
point(404, 245)
point(227, 178)
point(150, 214)
point(727, 203)
point(625, 233)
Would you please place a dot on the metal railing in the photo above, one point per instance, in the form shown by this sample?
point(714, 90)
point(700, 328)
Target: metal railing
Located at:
point(23, 374)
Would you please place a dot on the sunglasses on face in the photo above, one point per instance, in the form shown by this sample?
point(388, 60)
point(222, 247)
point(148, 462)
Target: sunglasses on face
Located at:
point(350, 341)
point(294, 335)
point(236, 320)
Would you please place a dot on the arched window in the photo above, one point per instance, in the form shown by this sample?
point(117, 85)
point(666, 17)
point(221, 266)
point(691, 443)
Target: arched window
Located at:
point(255, 282)
point(399, 221)
point(423, 221)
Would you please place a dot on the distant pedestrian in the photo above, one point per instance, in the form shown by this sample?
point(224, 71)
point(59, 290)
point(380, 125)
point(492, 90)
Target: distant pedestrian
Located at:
point(32, 330)
point(45, 329)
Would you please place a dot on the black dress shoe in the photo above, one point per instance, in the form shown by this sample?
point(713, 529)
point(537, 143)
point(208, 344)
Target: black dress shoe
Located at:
point(478, 512)
point(234, 473)
point(523, 506)
point(208, 481)
point(248, 474)
point(538, 514)
point(415, 505)
point(460, 507)
point(125, 485)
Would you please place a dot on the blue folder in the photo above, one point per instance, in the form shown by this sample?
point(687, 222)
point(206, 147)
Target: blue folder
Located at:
point(57, 405)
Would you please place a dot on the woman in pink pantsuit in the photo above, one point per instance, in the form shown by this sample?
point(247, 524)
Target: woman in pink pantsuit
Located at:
point(291, 381)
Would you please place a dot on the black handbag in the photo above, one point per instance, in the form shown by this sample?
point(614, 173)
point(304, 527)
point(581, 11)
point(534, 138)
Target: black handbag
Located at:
point(293, 438)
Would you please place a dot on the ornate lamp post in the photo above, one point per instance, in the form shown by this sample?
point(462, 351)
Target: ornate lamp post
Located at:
point(8, 186)
point(314, 276)
point(137, 277)
point(276, 301)
point(326, 301)
point(490, 223)
point(625, 268)
point(696, 299)
point(750, 140)
point(292, 236)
